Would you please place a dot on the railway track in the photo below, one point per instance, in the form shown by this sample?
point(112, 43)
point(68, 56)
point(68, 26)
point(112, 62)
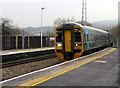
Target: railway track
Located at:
point(17, 59)
point(12, 60)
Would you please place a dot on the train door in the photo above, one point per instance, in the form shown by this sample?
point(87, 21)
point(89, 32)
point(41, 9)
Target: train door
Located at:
point(86, 40)
point(67, 37)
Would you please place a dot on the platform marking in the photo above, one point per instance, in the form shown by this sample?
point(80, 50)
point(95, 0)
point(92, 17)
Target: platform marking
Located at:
point(99, 61)
point(92, 59)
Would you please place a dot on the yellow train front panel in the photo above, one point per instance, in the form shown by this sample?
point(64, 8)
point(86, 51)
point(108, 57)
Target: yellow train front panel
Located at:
point(68, 44)
point(67, 36)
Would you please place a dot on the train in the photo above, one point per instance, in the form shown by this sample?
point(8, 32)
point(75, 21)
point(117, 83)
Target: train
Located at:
point(74, 39)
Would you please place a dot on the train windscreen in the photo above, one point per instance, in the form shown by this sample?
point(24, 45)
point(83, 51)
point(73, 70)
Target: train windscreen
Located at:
point(77, 37)
point(59, 37)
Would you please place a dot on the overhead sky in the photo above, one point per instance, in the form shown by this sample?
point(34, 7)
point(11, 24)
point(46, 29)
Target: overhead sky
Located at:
point(25, 13)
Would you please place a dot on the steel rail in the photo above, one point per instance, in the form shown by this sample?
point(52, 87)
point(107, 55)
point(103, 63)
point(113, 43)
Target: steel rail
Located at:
point(22, 58)
point(27, 60)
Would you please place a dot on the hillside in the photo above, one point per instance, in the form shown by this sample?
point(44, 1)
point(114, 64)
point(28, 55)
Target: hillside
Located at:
point(36, 30)
point(50, 30)
point(105, 25)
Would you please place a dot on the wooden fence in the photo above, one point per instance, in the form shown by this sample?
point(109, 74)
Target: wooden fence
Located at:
point(24, 42)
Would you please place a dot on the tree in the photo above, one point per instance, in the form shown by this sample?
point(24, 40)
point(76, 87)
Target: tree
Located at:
point(60, 21)
point(114, 32)
point(49, 33)
point(7, 28)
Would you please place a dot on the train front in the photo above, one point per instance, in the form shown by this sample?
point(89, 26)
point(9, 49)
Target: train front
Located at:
point(68, 42)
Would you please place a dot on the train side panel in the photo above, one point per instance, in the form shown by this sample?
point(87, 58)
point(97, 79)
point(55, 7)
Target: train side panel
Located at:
point(95, 39)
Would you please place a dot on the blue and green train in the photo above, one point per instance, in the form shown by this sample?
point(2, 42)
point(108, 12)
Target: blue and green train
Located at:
point(73, 39)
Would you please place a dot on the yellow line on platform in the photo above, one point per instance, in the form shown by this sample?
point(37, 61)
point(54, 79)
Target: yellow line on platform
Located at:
point(88, 61)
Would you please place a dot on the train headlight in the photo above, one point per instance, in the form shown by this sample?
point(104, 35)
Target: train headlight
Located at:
point(59, 44)
point(76, 44)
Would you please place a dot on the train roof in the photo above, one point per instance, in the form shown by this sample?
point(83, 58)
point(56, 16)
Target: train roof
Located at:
point(75, 24)
point(88, 27)
point(92, 28)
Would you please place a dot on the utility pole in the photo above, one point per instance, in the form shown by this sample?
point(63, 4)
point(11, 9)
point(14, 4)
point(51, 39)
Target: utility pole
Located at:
point(85, 11)
point(41, 24)
point(82, 12)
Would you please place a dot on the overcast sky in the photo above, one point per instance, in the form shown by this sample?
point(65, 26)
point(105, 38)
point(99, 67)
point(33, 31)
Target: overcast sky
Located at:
point(27, 12)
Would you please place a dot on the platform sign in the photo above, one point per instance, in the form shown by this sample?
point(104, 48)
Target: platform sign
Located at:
point(48, 37)
point(52, 39)
point(23, 37)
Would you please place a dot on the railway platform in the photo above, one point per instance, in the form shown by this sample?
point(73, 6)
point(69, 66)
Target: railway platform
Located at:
point(97, 69)
point(21, 56)
point(18, 51)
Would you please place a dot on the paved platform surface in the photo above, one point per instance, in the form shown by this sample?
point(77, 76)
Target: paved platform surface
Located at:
point(97, 69)
point(100, 72)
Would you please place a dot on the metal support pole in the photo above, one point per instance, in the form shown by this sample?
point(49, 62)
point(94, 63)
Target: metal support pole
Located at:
point(16, 42)
point(46, 41)
point(117, 42)
point(23, 42)
point(28, 41)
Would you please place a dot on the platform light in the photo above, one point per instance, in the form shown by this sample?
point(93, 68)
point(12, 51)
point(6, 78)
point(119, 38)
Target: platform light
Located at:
point(41, 24)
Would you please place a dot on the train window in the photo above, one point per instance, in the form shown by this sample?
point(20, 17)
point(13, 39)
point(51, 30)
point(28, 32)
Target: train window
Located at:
point(77, 37)
point(60, 29)
point(59, 37)
point(96, 37)
point(87, 37)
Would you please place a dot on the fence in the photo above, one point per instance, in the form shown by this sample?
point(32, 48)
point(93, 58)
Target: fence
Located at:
point(24, 42)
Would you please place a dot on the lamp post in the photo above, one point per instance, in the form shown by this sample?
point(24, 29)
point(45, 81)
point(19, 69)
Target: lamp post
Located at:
point(41, 24)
